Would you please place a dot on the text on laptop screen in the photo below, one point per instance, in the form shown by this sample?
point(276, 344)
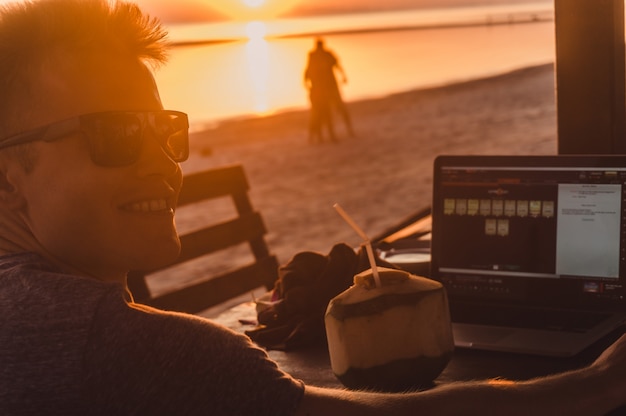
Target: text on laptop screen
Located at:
point(554, 234)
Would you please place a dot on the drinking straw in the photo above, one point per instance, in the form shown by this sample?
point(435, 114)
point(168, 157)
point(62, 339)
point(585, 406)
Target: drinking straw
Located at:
point(366, 240)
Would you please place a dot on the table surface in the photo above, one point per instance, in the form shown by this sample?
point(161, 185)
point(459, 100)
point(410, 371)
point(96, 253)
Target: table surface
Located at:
point(312, 364)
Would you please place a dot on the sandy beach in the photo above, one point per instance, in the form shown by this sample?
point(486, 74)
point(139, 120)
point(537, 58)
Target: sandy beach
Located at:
point(383, 175)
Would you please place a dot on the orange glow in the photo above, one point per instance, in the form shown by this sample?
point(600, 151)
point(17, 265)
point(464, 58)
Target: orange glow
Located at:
point(253, 9)
point(501, 382)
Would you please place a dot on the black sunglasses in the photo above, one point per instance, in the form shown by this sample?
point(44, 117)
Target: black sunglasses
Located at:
point(115, 137)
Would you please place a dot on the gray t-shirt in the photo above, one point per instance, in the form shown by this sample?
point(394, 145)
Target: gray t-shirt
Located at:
point(74, 346)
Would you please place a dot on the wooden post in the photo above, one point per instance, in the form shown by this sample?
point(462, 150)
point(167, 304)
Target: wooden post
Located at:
point(590, 76)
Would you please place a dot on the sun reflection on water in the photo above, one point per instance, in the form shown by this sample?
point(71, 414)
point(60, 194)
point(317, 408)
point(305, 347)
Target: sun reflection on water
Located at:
point(258, 65)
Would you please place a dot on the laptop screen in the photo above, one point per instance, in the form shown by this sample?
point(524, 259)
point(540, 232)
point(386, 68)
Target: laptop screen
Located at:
point(531, 230)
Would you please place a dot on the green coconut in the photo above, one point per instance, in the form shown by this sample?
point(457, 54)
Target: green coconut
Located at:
point(395, 336)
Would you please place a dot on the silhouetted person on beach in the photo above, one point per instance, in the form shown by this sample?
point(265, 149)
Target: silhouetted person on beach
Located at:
point(324, 93)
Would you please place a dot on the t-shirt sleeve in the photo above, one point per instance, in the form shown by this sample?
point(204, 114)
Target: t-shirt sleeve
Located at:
point(143, 361)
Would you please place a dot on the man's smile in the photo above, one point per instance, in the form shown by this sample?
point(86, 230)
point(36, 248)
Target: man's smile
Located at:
point(152, 205)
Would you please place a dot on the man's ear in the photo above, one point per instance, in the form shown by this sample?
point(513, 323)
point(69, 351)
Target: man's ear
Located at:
point(10, 197)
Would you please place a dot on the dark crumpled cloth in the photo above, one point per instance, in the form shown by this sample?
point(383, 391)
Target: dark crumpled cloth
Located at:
point(301, 294)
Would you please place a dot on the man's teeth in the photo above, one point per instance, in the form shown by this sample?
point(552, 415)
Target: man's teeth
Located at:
point(149, 206)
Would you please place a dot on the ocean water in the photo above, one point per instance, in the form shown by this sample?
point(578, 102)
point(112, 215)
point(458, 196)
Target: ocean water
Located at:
point(229, 70)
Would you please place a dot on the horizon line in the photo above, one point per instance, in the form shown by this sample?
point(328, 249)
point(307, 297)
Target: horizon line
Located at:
point(533, 18)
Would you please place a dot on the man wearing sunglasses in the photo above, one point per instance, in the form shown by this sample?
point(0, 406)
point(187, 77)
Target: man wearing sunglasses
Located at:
point(89, 178)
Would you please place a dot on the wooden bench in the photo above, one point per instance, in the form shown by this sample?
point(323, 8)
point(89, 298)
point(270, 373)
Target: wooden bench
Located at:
point(245, 227)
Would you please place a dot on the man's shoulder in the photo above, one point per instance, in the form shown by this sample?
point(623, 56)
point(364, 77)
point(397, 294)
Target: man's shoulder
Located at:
point(20, 260)
point(31, 268)
point(32, 286)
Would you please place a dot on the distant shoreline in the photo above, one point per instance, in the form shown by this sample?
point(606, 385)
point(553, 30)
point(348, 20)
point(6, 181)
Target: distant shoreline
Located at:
point(313, 9)
point(522, 17)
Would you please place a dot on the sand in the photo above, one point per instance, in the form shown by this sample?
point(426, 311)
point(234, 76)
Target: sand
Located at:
point(383, 175)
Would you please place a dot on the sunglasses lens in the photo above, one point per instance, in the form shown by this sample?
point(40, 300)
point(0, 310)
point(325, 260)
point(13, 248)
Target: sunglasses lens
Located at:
point(171, 129)
point(115, 138)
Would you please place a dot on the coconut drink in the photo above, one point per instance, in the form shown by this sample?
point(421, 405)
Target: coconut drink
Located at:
point(390, 331)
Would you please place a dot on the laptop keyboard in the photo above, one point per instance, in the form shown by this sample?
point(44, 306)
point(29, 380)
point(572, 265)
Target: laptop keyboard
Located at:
point(547, 319)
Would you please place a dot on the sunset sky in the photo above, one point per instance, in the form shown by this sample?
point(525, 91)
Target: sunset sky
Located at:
point(215, 10)
point(179, 11)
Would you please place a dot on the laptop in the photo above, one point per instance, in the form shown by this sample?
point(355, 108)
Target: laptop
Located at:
point(531, 250)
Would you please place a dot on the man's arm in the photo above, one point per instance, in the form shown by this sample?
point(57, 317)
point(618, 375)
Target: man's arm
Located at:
point(344, 77)
point(594, 390)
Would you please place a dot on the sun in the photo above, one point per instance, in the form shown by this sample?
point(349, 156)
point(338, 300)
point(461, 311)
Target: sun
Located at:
point(253, 3)
point(256, 30)
point(253, 9)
